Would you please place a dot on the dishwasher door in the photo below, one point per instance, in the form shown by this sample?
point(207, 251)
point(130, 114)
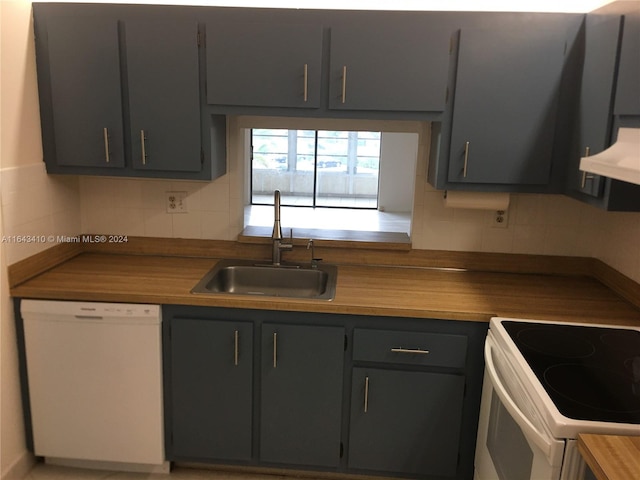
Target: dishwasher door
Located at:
point(94, 373)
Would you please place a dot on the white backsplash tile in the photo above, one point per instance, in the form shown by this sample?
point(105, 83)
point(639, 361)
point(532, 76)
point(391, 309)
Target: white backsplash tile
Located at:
point(37, 209)
point(34, 203)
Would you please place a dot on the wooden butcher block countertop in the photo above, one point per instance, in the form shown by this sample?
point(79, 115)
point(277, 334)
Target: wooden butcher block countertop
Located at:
point(611, 457)
point(429, 285)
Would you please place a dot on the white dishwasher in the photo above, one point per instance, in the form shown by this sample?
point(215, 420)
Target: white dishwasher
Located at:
point(94, 373)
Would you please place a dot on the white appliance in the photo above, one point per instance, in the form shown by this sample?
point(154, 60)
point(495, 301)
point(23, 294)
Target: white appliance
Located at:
point(94, 373)
point(546, 382)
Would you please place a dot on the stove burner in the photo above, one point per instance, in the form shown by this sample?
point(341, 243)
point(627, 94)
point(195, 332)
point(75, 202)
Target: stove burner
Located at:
point(559, 343)
point(614, 392)
point(628, 342)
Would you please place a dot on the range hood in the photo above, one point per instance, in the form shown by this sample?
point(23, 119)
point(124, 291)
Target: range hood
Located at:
point(620, 161)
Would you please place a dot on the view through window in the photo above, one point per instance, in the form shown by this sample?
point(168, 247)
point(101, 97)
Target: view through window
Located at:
point(315, 168)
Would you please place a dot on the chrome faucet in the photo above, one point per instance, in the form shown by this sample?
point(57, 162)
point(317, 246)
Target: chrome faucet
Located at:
point(276, 236)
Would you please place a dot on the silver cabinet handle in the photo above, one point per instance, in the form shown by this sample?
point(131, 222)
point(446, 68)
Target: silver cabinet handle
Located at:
point(143, 139)
point(466, 160)
point(105, 132)
point(586, 176)
point(409, 350)
point(275, 349)
point(235, 348)
point(306, 82)
point(366, 394)
point(344, 84)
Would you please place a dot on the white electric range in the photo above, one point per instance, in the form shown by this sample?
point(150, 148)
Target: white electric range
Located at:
point(544, 383)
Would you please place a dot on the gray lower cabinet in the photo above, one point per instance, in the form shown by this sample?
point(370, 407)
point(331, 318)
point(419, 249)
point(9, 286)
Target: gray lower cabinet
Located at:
point(301, 403)
point(325, 392)
point(405, 421)
point(211, 398)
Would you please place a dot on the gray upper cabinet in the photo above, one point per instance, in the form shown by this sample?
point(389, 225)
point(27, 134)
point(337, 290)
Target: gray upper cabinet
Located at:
point(164, 94)
point(601, 45)
point(628, 89)
point(609, 99)
point(264, 65)
point(394, 67)
point(504, 110)
point(120, 92)
point(86, 128)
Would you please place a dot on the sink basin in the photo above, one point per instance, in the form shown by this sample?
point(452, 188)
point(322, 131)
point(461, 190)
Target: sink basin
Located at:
point(255, 277)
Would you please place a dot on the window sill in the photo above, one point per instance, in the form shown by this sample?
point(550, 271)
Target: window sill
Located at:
point(338, 238)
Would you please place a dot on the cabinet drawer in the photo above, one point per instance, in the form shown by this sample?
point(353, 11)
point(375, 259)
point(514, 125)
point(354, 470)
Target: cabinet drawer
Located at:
point(414, 348)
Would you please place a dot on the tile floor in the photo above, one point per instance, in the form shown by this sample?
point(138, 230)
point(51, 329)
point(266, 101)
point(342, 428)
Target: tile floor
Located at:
point(54, 472)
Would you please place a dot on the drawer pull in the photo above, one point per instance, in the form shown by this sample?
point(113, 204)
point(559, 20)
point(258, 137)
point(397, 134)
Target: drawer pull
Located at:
point(409, 350)
point(366, 394)
point(275, 350)
point(235, 349)
point(466, 160)
point(306, 82)
point(143, 145)
point(344, 85)
point(105, 133)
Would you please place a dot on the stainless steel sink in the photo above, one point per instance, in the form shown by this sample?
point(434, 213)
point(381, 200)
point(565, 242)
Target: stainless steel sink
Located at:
point(254, 277)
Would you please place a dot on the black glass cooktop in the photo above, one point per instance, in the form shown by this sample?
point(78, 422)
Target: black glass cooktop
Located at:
point(590, 373)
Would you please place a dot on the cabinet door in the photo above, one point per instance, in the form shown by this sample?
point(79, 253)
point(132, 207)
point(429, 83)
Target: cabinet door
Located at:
point(405, 422)
point(164, 95)
point(395, 67)
point(86, 100)
point(596, 96)
point(211, 398)
point(268, 65)
point(628, 88)
point(505, 106)
point(302, 370)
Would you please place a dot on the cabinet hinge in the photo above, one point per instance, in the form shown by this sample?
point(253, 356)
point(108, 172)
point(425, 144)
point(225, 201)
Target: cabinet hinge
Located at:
point(198, 39)
point(341, 449)
point(201, 157)
point(346, 342)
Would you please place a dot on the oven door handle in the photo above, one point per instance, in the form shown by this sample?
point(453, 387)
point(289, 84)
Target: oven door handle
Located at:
point(529, 430)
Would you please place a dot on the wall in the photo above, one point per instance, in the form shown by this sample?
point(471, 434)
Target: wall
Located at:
point(397, 170)
point(537, 224)
point(31, 203)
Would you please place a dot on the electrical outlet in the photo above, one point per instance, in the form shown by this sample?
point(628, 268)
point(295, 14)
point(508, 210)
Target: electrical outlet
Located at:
point(177, 202)
point(500, 219)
